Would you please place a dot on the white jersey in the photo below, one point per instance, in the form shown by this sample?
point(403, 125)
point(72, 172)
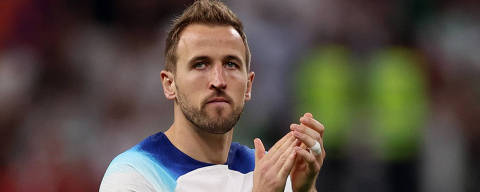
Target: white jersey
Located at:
point(156, 164)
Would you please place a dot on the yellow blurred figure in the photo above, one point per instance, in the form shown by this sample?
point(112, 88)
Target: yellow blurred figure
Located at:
point(398, 103)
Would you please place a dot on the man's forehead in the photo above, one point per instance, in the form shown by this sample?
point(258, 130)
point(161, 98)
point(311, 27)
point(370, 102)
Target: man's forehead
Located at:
point(210, 40)
point(203, 31)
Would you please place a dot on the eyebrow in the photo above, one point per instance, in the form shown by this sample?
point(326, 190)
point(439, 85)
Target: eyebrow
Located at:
point(199, 58)
point(233, 57)
point(206, 58)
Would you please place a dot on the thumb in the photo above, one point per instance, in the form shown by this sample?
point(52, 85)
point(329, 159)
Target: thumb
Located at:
point(259, 149)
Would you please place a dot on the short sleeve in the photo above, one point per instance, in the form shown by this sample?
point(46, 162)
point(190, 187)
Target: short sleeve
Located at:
point(125, 178)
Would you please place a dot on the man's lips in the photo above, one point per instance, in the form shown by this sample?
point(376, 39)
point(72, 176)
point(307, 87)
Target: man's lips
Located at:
point(217, 99)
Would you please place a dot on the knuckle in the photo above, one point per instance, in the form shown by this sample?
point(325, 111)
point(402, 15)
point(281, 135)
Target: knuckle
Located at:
point(308, 120)
point(303, 137)
point(322, 128)
point(301, 128)
point(300, 135)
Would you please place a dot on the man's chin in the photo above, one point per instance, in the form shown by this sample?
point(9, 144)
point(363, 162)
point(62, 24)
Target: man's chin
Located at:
point(218, 112)
point(217, 125)
point(222, 117)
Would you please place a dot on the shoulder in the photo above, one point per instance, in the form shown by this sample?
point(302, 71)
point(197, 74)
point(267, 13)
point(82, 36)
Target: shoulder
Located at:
point(125, 178)
point(239, 149)
point(136, 168)
point(241, 158)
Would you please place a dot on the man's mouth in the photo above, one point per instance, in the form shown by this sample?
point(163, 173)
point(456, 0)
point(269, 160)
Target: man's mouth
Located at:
point(217, 100)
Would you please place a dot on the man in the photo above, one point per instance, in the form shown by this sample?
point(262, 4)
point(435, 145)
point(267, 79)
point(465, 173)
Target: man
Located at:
point(208, 76)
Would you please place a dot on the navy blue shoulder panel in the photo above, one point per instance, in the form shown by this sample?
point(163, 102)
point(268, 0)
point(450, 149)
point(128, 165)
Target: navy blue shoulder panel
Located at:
point(160, 149)
point(167, 155)
point(241, 158)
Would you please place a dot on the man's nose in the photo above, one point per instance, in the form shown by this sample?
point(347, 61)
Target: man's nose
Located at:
point(218, 77)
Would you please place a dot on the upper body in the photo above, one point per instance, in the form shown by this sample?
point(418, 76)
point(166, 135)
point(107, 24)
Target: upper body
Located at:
point(207, 76)
point(156, 165)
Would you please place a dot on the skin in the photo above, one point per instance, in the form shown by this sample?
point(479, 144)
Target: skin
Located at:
point(307, 166)
point(211, 65)
point(290, 155)
point(203, 69)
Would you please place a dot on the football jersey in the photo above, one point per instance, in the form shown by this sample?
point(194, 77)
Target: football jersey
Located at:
point(155, 164)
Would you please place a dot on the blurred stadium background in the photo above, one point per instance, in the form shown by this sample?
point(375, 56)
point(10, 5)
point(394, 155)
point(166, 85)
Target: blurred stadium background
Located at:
point(396, 83)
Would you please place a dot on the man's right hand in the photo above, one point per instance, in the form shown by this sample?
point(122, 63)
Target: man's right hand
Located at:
point(272, 168)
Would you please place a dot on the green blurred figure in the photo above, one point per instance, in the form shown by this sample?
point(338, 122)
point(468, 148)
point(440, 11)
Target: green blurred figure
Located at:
point(324, 88)
point(398, 102)
point(380, 105)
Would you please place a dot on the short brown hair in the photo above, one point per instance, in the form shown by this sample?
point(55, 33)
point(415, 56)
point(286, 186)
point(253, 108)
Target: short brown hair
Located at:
point(211, 12)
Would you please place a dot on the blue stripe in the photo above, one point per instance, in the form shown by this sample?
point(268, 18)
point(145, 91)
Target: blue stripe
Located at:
point(161, 163)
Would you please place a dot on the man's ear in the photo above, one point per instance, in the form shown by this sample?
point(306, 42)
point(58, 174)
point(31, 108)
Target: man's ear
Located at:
point(248, 92)
point(168, 84)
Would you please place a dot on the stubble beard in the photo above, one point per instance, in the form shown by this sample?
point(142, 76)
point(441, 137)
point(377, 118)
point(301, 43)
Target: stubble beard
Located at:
point(200, 118)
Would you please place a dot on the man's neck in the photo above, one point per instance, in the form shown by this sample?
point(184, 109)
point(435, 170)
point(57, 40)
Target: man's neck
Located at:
point(198, 144)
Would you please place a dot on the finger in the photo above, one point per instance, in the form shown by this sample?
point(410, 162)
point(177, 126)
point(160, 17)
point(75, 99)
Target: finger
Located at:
point(297, 142)
point(308, 157)
point(313, 123)
point(305, 130)
point(279, 143)
point(307, 114)
point(259, 149)
point(286, 161)
point(307, 140)
point(289, 143)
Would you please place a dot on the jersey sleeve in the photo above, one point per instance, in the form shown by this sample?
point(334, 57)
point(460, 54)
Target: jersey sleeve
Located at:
point(123, 178)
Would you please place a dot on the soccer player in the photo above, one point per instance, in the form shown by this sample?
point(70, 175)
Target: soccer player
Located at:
point(207, 75)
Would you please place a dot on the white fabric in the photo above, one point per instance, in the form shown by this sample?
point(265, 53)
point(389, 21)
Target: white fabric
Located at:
point(218, 178)
point(317, 148)
point(126, 179)
point(206, 179)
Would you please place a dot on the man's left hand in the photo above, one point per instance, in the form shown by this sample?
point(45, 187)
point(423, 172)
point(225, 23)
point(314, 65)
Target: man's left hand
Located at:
point(307, 163)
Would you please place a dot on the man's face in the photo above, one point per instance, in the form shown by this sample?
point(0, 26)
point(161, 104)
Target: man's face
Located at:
point(211, 78)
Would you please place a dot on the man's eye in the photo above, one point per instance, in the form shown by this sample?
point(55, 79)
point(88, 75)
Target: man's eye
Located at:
point(231, 65)
point(200, 65)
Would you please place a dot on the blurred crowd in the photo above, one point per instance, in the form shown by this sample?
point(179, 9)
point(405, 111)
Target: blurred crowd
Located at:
point(396, 83)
